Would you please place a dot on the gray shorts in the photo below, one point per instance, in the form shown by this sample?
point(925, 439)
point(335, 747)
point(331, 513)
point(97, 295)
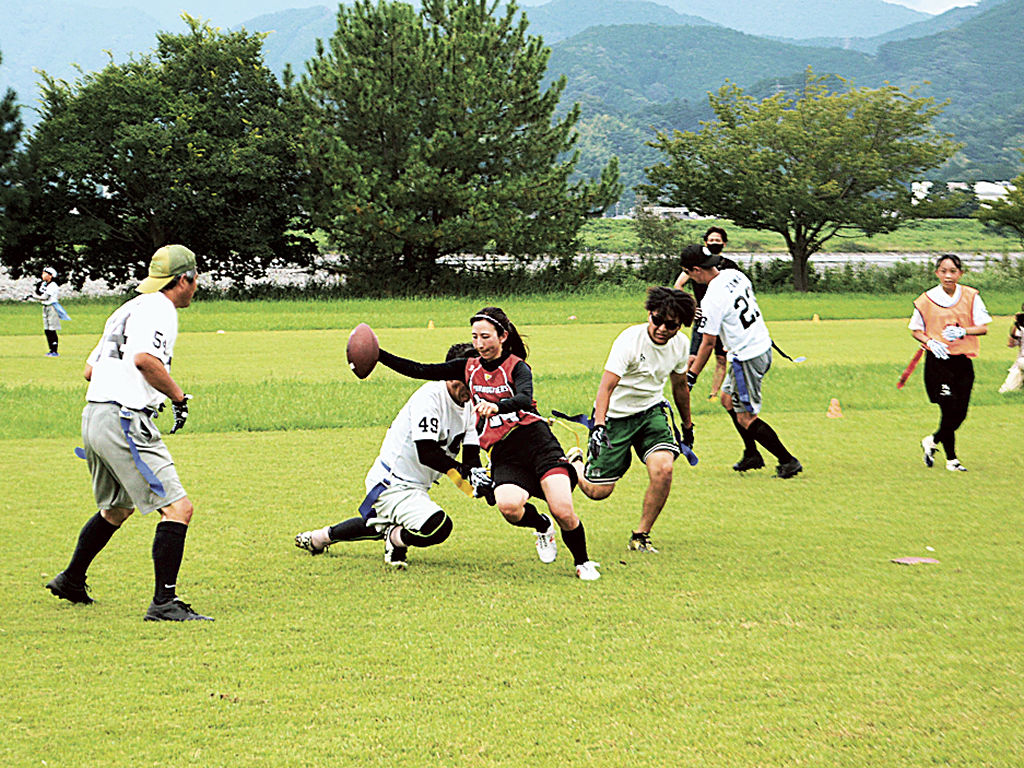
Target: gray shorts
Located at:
point(116, 479)
point(743, 382)
point(51, 320)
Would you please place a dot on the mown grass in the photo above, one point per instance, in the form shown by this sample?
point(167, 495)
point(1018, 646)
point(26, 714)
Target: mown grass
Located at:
point(611, 304)
point(927, 235)
point(772, 630)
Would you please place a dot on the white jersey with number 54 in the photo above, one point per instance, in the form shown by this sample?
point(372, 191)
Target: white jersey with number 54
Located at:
point(148, 323)
point(729, 309)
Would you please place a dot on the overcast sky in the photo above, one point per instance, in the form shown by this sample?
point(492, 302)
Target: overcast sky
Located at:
point(933, 6)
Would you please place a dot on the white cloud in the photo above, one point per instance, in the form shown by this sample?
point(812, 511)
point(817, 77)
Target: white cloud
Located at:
point(933, 6)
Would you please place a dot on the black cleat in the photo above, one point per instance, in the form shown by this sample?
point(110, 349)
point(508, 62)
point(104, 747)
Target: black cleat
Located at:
point(64, 588)
point(749, 462)
point(789, 469)
point(175, 610)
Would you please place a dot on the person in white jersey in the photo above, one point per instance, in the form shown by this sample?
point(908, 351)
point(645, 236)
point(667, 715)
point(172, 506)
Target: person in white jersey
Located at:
point(630, 411)
point(129, 374)
point(48, 294)
point(422, 443)
point(729, 309)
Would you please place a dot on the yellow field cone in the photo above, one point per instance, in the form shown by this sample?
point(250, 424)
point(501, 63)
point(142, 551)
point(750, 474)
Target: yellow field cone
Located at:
point(815, 318)
point(430, 325)
point(834, 411)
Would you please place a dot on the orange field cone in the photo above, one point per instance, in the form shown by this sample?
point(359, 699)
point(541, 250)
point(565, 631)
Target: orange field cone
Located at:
point(430, 325)
point(834, 411)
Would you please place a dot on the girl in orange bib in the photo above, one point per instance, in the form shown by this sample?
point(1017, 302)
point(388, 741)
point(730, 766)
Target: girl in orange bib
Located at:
point(947, 320)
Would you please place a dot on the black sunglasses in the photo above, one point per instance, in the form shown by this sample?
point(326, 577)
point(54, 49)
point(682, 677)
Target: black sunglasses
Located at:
point(669, 325)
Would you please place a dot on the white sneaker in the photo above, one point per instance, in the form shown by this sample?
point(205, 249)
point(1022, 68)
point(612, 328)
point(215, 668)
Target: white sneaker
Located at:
point(588, 571)
point(929, 447)
point(305, 541)
point(394, 556)
point(547, 547)
point(954, 465)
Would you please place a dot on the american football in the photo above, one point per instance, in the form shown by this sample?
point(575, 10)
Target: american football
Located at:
point(362, 350)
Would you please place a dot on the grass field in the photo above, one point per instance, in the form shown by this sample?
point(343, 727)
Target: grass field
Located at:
point(926, 235)
point(772, 630)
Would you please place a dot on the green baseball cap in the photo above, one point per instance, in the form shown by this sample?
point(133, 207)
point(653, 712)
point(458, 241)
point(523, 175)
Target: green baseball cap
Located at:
point(167, 263)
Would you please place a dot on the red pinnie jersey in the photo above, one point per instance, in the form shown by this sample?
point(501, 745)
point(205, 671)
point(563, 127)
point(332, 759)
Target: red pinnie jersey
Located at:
point(491, 387)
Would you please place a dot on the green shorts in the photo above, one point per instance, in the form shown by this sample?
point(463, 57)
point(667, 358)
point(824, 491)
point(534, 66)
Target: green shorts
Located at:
point(644, 432)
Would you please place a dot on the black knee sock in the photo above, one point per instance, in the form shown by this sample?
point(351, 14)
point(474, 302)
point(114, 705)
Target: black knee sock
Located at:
point(749, 445)
point(51, 340)
point(576, 542)
point(765, 435)
point(93, 537)
point(353, 529)
point(532, 519)
point(168, 549)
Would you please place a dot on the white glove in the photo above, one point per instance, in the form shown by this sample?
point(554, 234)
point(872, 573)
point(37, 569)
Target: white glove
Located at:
point(938, 349)
point(953, 332)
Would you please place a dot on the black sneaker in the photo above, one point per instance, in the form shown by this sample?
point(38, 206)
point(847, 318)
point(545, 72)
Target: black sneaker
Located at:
point(753, 461)
point(64, 588)
point(641, 542)
point(789, 469)
point(175, 610)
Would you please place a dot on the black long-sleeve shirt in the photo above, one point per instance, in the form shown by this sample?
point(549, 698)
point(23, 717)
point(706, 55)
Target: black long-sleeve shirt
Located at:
point(522, 377)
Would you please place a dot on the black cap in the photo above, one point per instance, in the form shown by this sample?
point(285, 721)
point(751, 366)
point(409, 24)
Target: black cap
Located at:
point(698, 256)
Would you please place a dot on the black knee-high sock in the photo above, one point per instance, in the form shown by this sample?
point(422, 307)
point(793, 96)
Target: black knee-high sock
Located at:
point(766, 436)
point(576, 542)
point(353, 529)
point(953, 415)
point(93, 537)
point(532, 519)
point(168, 549)
point(51, 340)
point(749, 445)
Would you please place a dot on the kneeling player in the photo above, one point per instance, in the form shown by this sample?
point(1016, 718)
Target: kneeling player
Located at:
point(421, 445)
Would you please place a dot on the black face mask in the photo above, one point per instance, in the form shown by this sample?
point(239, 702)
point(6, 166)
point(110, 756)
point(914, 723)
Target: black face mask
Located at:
point(715, 248)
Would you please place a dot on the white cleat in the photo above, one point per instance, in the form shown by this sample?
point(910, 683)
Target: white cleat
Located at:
point(394, 556)
point(929, 447)
point(588, 571)
point(305, 541)
point(547, 547)
point(954, 465)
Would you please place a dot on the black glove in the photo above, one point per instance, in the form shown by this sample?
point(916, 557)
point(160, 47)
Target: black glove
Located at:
point(180, 413)
point(688, 436)
point(691, 379)
point(598, 441)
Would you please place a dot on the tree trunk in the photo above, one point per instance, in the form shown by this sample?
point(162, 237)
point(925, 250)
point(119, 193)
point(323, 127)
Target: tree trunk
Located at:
point(800, 259)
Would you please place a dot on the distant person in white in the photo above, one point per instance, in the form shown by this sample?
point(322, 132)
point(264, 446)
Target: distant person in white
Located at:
point(129, 374)
point(729, 309)
point(48, 294)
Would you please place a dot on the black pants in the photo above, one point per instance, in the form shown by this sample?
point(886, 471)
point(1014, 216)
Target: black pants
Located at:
point(949, 384)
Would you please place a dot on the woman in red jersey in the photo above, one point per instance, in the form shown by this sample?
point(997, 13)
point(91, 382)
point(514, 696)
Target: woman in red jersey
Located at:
point(526, 459)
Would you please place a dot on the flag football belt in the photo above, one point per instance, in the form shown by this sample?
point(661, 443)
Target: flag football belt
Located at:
point(125, 415)
point(683, 447)
point(366, 508)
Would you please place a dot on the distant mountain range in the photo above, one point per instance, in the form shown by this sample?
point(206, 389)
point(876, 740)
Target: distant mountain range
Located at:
point(637, 64)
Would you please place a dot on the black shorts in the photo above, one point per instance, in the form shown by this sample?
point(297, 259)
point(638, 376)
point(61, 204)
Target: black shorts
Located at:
point(948, 380)
point(696, 339)
point(525, 455)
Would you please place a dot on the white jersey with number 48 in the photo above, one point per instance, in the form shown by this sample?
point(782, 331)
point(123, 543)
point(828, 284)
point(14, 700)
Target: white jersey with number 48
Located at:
point(729, 309)
point(148, 323)
point(430, 414)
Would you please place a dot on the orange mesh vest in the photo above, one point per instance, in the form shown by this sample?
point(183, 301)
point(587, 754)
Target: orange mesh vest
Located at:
point(962, 313)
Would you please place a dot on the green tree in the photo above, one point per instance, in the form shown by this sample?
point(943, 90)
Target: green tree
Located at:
point(10, 135)
point(809, 166)
point(427, 134)
point(192, 144)
point(1006, 215)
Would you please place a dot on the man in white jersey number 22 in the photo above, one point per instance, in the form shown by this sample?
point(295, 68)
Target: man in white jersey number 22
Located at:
point(129, 374)
point(729, 309)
